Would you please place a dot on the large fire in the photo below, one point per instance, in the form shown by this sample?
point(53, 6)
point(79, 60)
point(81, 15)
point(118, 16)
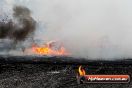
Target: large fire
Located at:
point(50, 48)
point(81, 71)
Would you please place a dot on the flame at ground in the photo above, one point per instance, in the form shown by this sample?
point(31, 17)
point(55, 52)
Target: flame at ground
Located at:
point(49, 48)
point(81, 71)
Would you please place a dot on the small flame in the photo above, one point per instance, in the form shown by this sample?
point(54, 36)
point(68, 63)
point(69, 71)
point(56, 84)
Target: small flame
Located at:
point(81, 71)
point(49, 49)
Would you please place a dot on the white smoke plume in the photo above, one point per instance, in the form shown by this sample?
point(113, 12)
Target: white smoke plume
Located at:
point(88, 28)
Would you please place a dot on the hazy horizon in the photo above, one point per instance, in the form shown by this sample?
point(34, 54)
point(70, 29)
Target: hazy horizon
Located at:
point(88, 28)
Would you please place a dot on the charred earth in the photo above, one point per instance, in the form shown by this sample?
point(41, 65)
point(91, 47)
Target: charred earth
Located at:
point(57, 71)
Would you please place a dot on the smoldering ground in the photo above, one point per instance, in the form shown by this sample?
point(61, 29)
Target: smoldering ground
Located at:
point(56, 76)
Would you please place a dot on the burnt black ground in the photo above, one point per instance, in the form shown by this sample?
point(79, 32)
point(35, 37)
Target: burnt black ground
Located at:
point(55, 76)
point(47, 75)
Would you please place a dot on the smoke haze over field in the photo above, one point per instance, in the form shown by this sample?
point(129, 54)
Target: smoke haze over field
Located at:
point(88, 28)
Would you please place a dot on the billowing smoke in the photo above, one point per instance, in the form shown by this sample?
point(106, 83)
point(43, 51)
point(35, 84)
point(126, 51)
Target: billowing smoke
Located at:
point(88, 28)
point(20, 27)
point(91, 29)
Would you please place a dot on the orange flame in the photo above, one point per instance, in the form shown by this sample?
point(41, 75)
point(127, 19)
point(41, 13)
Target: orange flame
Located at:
point(49, 49)
point(81, 71)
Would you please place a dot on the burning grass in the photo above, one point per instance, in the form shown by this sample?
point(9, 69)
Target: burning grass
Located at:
point(50, 48)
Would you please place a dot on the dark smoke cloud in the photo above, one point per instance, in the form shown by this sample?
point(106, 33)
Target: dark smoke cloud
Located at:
point(20, 27)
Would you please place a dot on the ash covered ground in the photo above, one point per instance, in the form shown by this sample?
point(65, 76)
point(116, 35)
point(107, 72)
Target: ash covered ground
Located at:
point(40, 75)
